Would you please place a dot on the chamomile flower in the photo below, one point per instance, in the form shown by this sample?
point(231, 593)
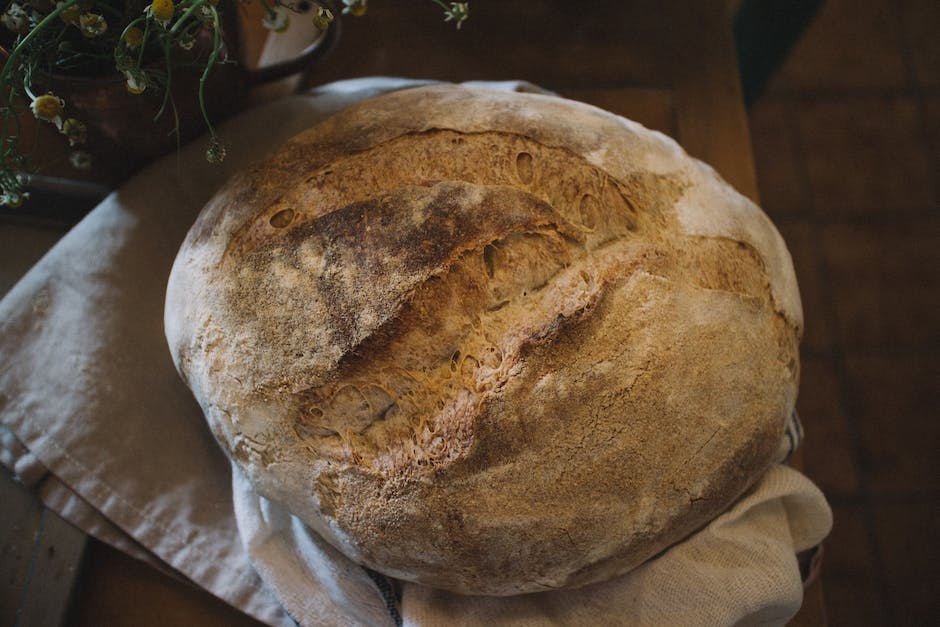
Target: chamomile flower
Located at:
point(355, 7)
point(322, 18)
point(80, 160)
point(161, 10)
point(133, 37)
point(186, 41)
point(75, 131)
point(92, 25)
point(15, 19)
point(70, 15)
point(136, 81)
point(48, 107)
point(216, 151)
point(13, 198)
point(457, 13)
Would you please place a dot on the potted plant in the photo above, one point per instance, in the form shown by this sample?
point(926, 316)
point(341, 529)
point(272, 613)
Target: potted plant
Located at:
point(128, 80)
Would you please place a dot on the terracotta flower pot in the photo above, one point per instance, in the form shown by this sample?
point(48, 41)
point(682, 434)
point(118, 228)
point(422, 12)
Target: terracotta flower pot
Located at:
point(123, 130)
point(126, 131)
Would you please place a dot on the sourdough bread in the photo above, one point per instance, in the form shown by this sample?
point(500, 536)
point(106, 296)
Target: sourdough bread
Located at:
point(490, 342)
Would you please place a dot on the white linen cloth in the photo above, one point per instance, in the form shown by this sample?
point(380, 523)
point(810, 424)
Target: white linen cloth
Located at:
point(93, 414)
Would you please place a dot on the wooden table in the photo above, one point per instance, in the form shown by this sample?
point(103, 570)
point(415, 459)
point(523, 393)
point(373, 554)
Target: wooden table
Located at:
point(667, 64)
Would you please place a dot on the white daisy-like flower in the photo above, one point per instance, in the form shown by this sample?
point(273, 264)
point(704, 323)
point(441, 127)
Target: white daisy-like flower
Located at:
point(161, 10)
point(80, 160)
point(92, 25)
point(356, 8)
point(49, 108)
point(15, 19)
point(136, 82)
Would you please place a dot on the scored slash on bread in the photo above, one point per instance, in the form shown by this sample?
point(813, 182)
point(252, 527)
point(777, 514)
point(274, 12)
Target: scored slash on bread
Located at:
point(490, 342)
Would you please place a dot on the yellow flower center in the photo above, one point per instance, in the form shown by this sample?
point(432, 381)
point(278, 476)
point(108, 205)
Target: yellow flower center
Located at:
point(92, 24)
point(133, 37)
point(47, 107)
point(162, 10)
point(75, 131)
point(135, 84)
point(322, 18)
point(355, 7)
point(71, 15)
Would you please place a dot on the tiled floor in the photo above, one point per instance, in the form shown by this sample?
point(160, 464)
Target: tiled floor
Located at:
point(847, 144)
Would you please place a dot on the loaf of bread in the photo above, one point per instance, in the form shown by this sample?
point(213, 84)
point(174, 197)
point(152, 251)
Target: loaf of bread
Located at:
point(490, 342)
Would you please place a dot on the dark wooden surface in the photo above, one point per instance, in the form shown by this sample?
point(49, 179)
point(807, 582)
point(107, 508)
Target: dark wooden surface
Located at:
point(669, 65)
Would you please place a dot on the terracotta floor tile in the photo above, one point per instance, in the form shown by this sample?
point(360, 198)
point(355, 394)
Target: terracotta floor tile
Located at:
point(906, 535)
point(849, 583)
point(851, 43)
point(776, 158)
point(799, 238)
point(896, 400)
point(828, 448)
point(866, 155)
point(920, 21)
point(885, 284)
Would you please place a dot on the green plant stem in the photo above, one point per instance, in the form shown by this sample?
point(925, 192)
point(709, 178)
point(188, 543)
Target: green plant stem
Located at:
point(179, 23)
point(167, 96)
point(205, 74)
point(28, 81)
point(143, 43)
point(192, 27)
point(129, 27)
point(143, 39)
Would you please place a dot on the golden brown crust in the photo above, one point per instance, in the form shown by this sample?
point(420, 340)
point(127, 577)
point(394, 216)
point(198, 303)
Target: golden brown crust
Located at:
point(497, 351)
